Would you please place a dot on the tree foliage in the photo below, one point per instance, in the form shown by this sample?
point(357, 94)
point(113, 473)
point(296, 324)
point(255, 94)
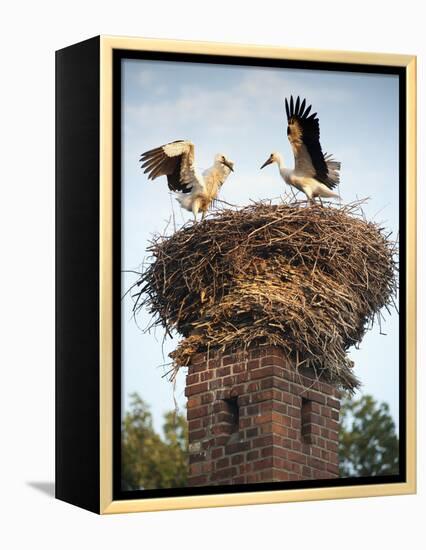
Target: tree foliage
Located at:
point(368, 443)
point(151, 461)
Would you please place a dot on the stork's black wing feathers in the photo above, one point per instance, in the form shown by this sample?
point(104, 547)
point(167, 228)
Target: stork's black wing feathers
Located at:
point(157, 163)
point(306, 128)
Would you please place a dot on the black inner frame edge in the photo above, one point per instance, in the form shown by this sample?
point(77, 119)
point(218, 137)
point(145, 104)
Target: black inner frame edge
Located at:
point(118, 57)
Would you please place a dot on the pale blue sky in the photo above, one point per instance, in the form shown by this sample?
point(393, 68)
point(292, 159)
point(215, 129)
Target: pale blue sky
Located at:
point(240, 111)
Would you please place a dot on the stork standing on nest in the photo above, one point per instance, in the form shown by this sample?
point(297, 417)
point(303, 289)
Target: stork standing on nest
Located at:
point(316, 174)
point(194, 191)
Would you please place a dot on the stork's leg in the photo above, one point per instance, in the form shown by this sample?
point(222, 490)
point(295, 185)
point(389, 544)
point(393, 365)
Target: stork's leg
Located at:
point(308, 193)
point(320, 200)
point(195, 208)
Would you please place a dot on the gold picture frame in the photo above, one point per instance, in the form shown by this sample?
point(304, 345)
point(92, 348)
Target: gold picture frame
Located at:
point(106, 504)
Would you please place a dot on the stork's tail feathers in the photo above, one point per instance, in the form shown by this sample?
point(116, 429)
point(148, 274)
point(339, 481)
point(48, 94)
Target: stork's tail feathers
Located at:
point(327, 193)
point(333, 168)
point(184, 200)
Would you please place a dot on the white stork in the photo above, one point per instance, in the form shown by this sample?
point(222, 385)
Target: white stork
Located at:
point(194, 191)
point(316, 174)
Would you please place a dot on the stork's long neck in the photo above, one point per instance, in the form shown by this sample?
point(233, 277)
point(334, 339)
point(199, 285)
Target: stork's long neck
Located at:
point(282, 168)
point(215, 176)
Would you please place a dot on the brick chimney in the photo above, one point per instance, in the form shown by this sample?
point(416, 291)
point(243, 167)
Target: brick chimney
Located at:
point(253, 417)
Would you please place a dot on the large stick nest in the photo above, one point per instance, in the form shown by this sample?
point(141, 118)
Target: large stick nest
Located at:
point(308, 279)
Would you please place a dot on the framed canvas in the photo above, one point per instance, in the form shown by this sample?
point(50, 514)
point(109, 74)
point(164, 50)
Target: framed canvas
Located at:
point(245, 333)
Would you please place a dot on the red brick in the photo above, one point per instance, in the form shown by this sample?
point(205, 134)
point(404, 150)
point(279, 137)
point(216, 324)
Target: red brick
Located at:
point(224, 416)
point(192, 379)
point(252, 455)
point(223, 371)
point(222, 463)
point(220, 406)
point(270, 361)
point(265, 406)
point(194, 424)
point(297, 457)
point(196, 412)
point(238, 447)
point(263, 372)
point(237, 459)
point(263, 463)
point(267, 451)
point(255, 353)
point(282, 408)
point(207, 398)
point(252, 432)
point(317, 397)
point(252, 478)
point(229, 360)
point(253, 364)
point(280, 475)
point(229, 380)
point(245, 422)
point(241, 378)
point(217, 452)
point(287, 397)
point(245, 467)
point(226, 473)
point(239, 367)
point(262, 441)
point(215, 384)
point(332, 468)
point(253, 410)
point(195, 435)
point(332, 425)
point(267, 383)
point(296, 423)
point(196, 388)
point(193, 402)
point(199, 480)
point(325, 433)
point(325, 455)
point(266, 428)
point(280, 384)
point(192, 369)
point(333, 403)
point(332, 446)
point(197, 457)
point(206, 467)
point(307, 472)
point(207, 375)
point(265, 395)
point(220, 440)
point(262, 418)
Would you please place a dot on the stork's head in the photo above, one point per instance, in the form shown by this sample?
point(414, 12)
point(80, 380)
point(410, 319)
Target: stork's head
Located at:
point(223, 159)
point(273, 157)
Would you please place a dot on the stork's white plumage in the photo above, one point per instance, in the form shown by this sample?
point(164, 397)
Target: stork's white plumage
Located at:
point(195, 191)
point(316, 174)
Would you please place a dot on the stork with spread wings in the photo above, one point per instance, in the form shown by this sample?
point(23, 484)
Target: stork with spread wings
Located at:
point(195, 191)
point(315, 173)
